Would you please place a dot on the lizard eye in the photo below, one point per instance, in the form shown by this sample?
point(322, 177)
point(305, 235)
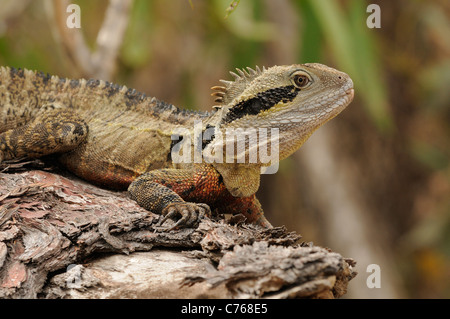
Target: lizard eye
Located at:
point(301, 80)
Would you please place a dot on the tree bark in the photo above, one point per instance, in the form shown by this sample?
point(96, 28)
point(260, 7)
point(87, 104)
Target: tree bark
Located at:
point(55, 231)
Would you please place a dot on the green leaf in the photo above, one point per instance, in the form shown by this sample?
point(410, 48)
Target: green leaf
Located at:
point(352, 45)
point(231, 7)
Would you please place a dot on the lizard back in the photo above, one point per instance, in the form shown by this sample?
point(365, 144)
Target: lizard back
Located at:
point(129, 133)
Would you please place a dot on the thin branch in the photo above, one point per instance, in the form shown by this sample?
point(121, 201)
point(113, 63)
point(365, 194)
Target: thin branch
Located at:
point(110, 37)
point(100, 63)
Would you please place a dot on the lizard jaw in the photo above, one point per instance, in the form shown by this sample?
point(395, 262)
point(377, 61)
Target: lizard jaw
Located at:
point(319, 110)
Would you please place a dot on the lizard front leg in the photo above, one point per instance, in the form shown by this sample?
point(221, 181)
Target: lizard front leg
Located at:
point(171, 192)
point(249, 207)
point(52, 131)
point(191, 193)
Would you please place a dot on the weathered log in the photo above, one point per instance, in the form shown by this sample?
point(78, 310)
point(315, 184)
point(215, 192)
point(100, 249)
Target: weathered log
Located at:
point(55, 230)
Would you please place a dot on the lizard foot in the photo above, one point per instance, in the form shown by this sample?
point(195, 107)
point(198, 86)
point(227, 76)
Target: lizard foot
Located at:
point(191, 214)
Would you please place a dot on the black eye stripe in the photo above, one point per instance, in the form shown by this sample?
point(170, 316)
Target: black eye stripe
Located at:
point(263, 101)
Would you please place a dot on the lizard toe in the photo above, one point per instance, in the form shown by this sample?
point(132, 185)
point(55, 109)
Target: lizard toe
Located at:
point(171, 213)
point(189, 214)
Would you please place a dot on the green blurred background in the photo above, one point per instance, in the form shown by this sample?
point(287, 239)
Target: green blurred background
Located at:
point(374, 183)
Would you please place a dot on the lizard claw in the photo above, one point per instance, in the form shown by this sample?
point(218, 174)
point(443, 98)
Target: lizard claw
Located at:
point(191, 214)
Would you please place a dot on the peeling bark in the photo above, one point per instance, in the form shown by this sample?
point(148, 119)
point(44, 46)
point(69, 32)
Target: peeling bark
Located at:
point(53, 231)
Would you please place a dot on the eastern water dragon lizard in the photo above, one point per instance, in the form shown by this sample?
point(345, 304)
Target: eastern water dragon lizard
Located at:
point(118, 138)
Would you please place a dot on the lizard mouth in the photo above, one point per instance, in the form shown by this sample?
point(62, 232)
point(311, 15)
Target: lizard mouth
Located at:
point(327, 107)
point(330, 103)
point(345, 99)
point(339, 100)
point(350, 94)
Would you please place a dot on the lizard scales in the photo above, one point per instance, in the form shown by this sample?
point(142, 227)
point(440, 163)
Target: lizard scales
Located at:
point(114, 136)
point(119, 120)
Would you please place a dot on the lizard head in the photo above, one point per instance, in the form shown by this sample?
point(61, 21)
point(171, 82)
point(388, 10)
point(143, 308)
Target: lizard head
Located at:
point(282, 104)
point(296, 99)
